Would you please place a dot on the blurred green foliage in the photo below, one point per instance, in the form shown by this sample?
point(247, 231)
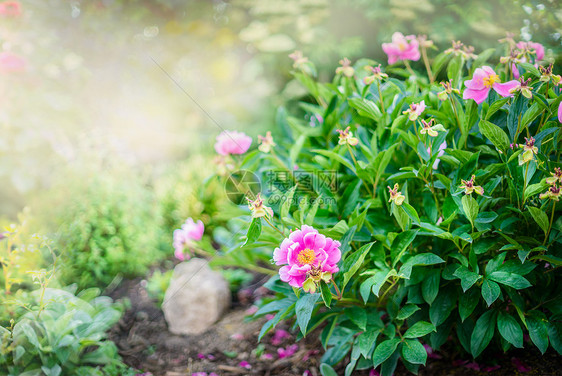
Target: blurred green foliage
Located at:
point(106, 222)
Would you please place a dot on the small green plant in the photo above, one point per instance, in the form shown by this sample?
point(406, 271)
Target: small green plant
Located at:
point(107, 226)
point(236, 278)
point(157, 284)
point(63, 334)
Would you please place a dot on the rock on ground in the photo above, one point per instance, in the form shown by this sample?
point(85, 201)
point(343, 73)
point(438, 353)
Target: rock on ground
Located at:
point(196, 298)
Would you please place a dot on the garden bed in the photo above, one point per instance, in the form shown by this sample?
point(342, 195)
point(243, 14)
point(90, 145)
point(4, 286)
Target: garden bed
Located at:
point(144, 343)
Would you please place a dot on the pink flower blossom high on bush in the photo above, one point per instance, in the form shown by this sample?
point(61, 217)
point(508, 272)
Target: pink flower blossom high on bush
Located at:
point(482, 81)
point(307, 254)
point(10, 62)
point(232, 142)
point(402, 48)
point(10, 9)
point(532, 46)
point(186, 235)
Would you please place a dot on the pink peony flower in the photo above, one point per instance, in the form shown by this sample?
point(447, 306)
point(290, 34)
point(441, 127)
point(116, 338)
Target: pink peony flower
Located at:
point(402, 48)
point(10, 9)
point(189, 232)
point(532, 46)
point(307, 256)
point(482, 81)
point(287, 352)
point(232, 142)
point(10, 62)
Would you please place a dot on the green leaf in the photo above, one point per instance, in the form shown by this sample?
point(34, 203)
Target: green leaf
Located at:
point(509, 279)
point(365, 108)
point(467, 302)
point(510, 329)
point(414, 352)
point(531, 69)
point(254, 231)
point(297, 147)
point(536, 323)
point(384, 350)
point(335, 156)
point(495, 134)
point(327, 370)
point(442, 306)
point(353, 262)
point(540, 217)
point(270, 324)
point(366, 341)
point(326, 293)
point(534, 189)
point(467, 277)
point(531, 114)
point(411, 212)
point(287, 203)
point(304, 307)
point(358, 316)
point(555, 336)
point(494, 107)
point(400, 244)
point(418, 260)
point(490, 291)
point(407, 311)
point(483, 333)
point(470, 207)
point(430, 285)
point(419, 329)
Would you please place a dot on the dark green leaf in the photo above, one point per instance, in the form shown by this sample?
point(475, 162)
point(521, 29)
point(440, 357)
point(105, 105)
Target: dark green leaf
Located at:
point(419, 329)
point(384, 350)
point(414, 352)
point(483, 333)
point(510, 329)
point(303, 309)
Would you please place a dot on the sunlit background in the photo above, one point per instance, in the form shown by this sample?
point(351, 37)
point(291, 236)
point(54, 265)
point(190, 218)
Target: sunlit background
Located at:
point(130, 90)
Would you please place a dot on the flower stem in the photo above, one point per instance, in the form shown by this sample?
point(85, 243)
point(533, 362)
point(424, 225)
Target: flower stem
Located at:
point(551, 220)
point(337, 290)
point(427, 67)
point(525, 184)
point(356, 166)
point(409, 68)
point(275, 228)
point(380, 96)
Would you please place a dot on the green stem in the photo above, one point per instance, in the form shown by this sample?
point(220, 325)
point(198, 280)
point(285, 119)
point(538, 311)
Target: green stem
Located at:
point(409, 68)
point(525, 185)
point(551, 220)
point(381, 299)
point(356, 166)
point(339, 296)
point(275, 228)
point(380, 96)
point(427, 67)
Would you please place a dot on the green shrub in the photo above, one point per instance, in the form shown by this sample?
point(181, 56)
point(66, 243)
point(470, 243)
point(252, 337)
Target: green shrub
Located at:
point(63, 334)
point(107, 225)
point(426, 254)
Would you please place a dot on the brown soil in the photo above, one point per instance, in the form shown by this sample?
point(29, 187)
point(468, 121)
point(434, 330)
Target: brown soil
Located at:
point(145, 343)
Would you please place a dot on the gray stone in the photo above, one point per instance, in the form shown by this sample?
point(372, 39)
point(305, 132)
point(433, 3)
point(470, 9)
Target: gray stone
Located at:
point(196, 298)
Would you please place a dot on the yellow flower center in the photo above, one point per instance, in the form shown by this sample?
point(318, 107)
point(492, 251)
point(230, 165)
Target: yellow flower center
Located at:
point(306, 256)
point(490, 80)
point(402, 46)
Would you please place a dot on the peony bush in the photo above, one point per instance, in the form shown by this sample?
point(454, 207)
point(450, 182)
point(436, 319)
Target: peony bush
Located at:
point(442, 220)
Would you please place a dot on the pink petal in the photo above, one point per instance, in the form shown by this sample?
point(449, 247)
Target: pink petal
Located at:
point(560, 112)
point(478, 95)
point(504, 89)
